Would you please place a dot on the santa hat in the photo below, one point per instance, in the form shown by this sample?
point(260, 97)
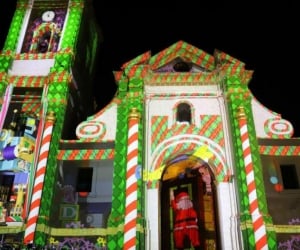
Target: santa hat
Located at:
point(182, 195)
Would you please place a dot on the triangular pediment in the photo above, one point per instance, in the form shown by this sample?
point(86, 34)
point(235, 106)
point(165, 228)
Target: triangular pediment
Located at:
point(181, 64)
point(182, 57)
point(196, 59)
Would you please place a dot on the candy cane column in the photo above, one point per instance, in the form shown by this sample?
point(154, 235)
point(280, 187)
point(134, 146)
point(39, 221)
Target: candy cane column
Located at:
point(39, 180)
point(260, 235)
point(131, 182)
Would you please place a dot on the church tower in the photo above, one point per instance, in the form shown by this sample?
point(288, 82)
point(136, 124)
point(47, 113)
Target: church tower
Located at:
point(47, 66)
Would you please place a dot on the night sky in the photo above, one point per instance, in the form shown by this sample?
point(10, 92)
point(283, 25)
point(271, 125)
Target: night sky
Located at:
point(266, 41)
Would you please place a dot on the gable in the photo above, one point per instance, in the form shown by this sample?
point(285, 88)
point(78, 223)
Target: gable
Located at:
point(180, 64)
point(182, 57)
point(187, 53)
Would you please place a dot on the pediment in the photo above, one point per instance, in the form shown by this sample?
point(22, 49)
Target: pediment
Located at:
point(180, 65)
point(179, 54)
point(183, 53)
point(182, 57)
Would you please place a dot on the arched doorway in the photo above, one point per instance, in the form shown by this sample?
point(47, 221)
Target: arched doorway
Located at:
point(189, 176)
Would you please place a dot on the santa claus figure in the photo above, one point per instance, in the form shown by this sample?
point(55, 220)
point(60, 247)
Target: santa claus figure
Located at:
point(185, 222)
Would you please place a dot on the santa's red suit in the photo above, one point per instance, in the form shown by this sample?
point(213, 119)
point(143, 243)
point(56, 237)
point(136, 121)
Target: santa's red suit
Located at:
point(185, 223)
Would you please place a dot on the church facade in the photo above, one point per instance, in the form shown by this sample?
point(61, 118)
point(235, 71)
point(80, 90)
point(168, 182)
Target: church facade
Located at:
point(182, 157)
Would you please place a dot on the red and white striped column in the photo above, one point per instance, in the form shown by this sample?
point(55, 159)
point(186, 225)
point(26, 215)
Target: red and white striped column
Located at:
point(5, 104)
point(260, 234)
point(131, 182)
point(39, 180)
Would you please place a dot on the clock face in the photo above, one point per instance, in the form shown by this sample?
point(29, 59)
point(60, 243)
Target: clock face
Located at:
point(48, 16)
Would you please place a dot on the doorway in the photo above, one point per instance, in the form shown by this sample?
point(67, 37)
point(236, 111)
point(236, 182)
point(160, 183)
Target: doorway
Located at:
point(190, 180)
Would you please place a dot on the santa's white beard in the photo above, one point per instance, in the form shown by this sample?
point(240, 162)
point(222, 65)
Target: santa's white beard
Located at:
point(184, 204)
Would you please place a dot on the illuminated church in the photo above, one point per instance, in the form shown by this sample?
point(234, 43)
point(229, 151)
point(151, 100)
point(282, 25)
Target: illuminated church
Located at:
point(183, 132)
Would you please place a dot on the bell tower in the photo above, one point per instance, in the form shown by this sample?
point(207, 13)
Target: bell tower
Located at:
point(47, 68)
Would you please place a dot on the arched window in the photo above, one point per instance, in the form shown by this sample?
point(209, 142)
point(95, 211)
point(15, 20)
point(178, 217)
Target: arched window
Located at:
point(45, 38)
point(183, 113)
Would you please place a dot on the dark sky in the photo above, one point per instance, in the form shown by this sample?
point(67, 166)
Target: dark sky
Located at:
point(266, 41)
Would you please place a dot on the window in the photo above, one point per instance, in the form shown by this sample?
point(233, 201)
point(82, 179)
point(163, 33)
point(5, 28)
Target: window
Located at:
point(183, 113)
point(6, 184)
point(84, 179)
point(182, 66)
point(289, 176)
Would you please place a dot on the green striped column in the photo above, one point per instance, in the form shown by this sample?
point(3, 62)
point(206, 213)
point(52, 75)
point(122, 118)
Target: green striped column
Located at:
point(129, 100)
point(14, 31)
point(238, 95)
point(9, 48)
point(115, 220)
point(73, 23)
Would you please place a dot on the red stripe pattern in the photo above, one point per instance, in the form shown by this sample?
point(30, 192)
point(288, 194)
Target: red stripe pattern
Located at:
point(38, 183)
point(131, 186)
point(258, 223)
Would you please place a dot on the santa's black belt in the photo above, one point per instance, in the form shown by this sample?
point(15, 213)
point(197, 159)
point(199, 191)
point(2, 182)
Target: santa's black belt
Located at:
point(184, 220)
